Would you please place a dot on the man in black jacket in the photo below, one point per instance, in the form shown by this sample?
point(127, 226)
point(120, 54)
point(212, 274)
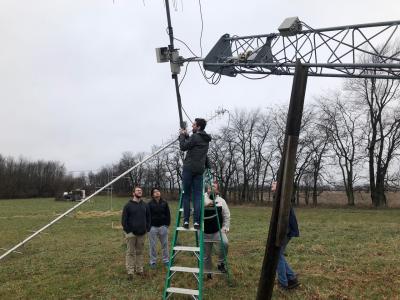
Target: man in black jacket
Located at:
point(160, 220)
point(193, 168)
point(135, 222)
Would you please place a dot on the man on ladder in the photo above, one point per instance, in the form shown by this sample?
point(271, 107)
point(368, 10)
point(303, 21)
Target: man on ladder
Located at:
point(193, 168)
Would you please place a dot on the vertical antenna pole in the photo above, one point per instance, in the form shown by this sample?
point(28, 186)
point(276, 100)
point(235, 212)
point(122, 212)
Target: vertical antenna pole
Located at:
point(174, 76)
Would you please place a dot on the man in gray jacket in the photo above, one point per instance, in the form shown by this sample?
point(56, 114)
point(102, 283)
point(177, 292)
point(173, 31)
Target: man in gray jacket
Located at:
point(193, 168)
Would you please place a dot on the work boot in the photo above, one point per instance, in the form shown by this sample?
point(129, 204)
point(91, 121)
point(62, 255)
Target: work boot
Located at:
point(221, 268)
point(293, 283)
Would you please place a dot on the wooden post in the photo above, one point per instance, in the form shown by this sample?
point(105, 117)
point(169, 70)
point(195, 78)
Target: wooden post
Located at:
point(281, 205)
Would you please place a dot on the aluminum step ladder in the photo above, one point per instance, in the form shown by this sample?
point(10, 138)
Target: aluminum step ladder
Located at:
point(196, 251)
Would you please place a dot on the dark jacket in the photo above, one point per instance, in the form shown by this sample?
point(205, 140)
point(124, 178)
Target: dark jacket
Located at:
point(210, 220)
point(293, 228)
point(136, 217)
point(160, 214)
point(197, 147)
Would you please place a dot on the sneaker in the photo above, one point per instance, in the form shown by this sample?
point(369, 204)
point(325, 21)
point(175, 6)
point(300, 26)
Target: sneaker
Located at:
point(141, 274)
point(221, 268)
point(186, 225)
point(283, 287)
point(140, 271)
point(293, 283)
point(196, 226)
point(130, 277)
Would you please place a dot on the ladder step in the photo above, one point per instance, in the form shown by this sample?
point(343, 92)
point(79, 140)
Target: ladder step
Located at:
point(186, 248)
point(185, 269)
point(181, 210)
point(183, 291)
point(184, 229)
point(214, 272)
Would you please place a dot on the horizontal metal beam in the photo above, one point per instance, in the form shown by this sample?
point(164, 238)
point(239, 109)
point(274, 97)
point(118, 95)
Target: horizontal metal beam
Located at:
point(319, 30)
point(316, 65)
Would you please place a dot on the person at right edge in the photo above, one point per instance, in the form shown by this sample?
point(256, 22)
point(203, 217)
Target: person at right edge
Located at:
point(194, 165)
point(287, 278)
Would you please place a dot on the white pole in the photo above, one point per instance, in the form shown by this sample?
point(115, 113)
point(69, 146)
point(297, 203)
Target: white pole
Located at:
point(83, 201)
point(218, 112)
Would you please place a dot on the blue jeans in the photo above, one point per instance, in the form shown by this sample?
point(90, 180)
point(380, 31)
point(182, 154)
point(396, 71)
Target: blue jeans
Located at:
point(284, 271)
point(192, 185)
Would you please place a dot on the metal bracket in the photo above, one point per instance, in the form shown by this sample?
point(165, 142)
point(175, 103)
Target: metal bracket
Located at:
point(218, 53)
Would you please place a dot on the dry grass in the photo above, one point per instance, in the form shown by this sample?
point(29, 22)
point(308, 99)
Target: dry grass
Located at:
point(361, 199)
point(341, 254)
point(96, 214)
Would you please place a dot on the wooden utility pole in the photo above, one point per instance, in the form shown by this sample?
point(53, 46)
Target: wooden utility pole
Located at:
point(281, 206)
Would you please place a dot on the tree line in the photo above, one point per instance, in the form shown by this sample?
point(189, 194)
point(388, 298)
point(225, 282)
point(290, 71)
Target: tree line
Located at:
point(349, 140)
point(20, 178)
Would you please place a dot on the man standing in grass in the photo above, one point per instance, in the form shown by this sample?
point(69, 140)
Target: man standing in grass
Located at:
point(135, 223)
point(193, 168)
point(160, 220)
point(287, 278)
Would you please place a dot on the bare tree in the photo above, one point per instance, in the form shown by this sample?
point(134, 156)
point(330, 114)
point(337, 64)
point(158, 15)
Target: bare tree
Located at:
point(243, 129)
point(223, 157)
point(342, 123)
point(380, 99)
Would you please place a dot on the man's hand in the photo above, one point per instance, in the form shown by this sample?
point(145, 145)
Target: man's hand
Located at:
point(182, 131)
point(129, 235)
point(225, 230)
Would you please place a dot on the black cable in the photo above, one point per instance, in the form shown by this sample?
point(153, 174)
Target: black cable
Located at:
point(203, 72)
point(187, 115)
point(184, 74)
point(254, 78)
point(186, 46)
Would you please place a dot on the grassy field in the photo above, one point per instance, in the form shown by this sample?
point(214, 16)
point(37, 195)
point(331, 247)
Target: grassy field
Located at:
point(341, 254)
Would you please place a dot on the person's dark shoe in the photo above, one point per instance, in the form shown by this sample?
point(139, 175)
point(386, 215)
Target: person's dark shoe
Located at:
point(130, 277)
point(221, 268)
point(209, 276)
point(186, 225)
point(283, 287)
point(141, 274)
point(196, 226)
point(293, 283)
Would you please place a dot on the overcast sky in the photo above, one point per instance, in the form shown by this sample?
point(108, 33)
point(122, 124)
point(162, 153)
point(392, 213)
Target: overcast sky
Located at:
point(79, 81)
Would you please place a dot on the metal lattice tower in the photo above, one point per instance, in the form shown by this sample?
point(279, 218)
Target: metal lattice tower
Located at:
point(364, 51)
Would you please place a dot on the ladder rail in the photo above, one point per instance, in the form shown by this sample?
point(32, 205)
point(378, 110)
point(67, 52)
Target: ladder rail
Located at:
point(197, 251)
point(201, 258)
point(173, 253)
point(221, 241)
